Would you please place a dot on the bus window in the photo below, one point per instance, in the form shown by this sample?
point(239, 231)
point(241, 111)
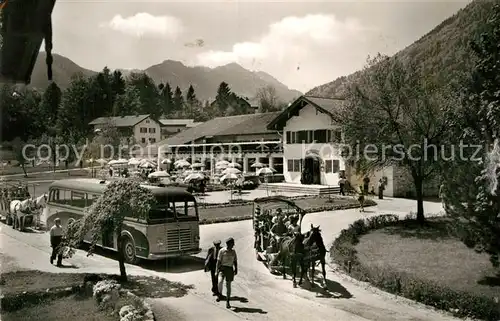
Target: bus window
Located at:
point(62, 197)
point(77, 199)
point(161, 212)
point(91, 198)
point(185, 210)
point(53, 195)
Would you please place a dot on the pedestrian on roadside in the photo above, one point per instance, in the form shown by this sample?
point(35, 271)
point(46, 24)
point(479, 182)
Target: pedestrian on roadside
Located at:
point(342, 185)
point(111, 172)
point(361, 198)
point(211, 265)
point(227, 268)
point(366, 182)
point(381, 187)
point(56, 234)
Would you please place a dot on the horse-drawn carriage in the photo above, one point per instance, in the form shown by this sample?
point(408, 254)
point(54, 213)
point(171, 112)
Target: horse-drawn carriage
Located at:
point(16, 205)
point(292, 248)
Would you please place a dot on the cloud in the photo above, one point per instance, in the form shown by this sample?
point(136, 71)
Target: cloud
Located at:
point(145, 24)
point(290, 39)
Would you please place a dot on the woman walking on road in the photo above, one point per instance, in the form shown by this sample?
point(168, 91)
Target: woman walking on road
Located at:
point(227, 268)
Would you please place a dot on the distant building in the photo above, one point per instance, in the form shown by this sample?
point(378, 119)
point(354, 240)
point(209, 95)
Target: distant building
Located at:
point(142, 128)
point(243, 138)
point(170, 127)
point(251, 104)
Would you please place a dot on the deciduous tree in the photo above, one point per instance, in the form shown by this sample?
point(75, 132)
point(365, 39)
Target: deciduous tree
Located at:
point(122, 198)
point(472, 192)
point(393, 114)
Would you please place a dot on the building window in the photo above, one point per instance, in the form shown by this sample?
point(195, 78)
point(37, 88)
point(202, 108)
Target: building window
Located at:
point(143, 140)
point(147, 121)
point(143, 130)
point(152, 140)
point(296, 165)
point(178, 130)
point(332, 166)
point(336, 136)
point(152, 130)
point(335, 166)
point(288, 137)
point(290, 165)
point(301, 137)
point(320, 136)
point(328, 166)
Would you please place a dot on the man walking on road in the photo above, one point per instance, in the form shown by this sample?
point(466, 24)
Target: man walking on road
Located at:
point(211, 265)
point(227, 268)
point(56, 234)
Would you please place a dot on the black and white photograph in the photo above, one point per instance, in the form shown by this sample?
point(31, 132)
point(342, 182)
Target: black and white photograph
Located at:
point(165, 160)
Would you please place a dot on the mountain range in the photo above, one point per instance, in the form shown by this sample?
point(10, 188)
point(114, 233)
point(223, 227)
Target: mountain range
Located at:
point(443, 52)
point(205, 80)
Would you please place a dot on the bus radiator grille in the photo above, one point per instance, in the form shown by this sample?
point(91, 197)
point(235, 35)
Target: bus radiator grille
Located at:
point(179, 240)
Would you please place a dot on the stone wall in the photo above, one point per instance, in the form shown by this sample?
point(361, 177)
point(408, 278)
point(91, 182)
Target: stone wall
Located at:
point(404, 186)
point(400, 182)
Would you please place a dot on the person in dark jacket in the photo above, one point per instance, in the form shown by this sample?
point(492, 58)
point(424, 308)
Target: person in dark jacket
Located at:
point(366, 183)
point(56, 234)
point(211, 265)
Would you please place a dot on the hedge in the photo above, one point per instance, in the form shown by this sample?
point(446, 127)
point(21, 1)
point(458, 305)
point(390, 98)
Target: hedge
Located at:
point(330, 207)
point(459, 303)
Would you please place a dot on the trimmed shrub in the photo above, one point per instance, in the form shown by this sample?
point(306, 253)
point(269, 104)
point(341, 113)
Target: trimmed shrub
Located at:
point(459, 303)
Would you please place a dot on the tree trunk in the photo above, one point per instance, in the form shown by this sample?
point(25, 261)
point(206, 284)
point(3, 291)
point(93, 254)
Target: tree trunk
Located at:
point(419, 186)
point(24, 169)
point(121, 259)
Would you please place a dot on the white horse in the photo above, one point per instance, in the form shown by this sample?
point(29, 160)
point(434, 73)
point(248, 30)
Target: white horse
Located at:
point(40, 201)
point(19, 209)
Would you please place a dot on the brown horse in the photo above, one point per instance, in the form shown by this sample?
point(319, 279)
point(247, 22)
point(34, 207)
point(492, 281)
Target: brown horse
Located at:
point(291, 250)
point(315, 251)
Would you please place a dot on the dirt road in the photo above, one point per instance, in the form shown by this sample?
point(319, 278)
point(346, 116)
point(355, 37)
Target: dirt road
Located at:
point(260, 295)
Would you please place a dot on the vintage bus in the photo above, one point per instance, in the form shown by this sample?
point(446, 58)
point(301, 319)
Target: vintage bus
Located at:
point(170, 229)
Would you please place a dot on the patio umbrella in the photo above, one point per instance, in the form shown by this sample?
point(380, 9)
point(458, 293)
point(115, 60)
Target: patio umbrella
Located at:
point(197, 165)
point(166, 161)
point(221, 167)
point(231, 170)
point(118, 162)
point(147, 165)
point(134, 161)
point(265, 171)
point(234, 165)
point(194, 177)
point(159, 174)
point(101, 161)
point(222, 163)
point(182, 163)
point(230, 176)
point(257, 165)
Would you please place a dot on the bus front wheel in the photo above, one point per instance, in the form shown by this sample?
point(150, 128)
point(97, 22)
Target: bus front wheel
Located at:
point(128, 250)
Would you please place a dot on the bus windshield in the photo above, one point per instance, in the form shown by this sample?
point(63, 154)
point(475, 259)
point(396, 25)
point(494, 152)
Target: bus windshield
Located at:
point(170, 211)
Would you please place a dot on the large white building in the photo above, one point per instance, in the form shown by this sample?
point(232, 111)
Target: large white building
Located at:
point(311, 141)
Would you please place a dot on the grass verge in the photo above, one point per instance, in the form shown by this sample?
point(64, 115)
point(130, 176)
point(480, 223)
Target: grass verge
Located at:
point(214, 215)
point(36, 295)
point(429, 264)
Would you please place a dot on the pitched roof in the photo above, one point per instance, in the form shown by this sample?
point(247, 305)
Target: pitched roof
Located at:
point(175, 122)
point(123, 121)
point(325, 105)
point(232, 125)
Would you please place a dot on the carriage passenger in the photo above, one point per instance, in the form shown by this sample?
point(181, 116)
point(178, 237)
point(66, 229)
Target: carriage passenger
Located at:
point(294, 224)
point(279, 228)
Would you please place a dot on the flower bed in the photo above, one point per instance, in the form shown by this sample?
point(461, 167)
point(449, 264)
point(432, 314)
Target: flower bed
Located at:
point(222, 214)
point(121, 300)
point(409, 285)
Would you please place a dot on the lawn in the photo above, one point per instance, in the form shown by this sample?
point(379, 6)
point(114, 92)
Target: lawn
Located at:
point(244, 210)
point(20, 281)
point(9, 170)
point(430, 254)
point(80, 306)
point(75, 308)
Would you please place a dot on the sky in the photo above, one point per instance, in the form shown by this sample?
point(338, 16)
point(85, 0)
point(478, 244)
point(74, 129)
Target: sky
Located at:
point(302, 44)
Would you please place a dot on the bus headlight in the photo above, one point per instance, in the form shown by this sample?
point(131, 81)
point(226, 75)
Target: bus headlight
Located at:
point(160, 242)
